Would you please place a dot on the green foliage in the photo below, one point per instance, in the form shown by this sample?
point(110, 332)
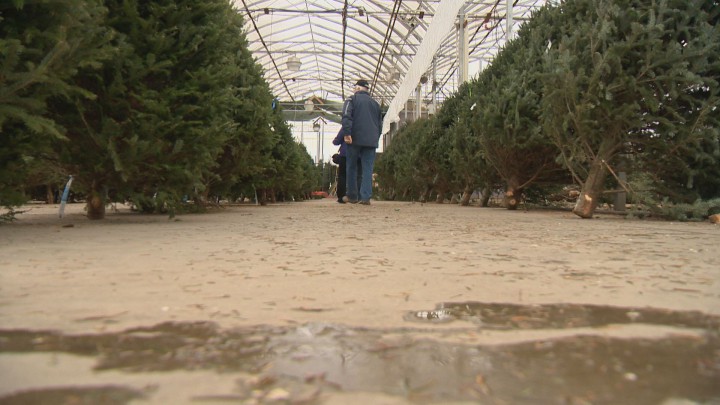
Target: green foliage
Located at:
point(625, 76)
point(161, 115)
point(697, 211)
point(255, 130)
point(401, 173)
point(584, 87)
point(291, 172)
point(470, 166)
point(157, 102)
point(43, 46)
point(507, 119)
point(434, 151)
point(648, 201)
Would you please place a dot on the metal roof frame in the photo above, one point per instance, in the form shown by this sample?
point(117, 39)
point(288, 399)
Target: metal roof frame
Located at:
point(341, 41)
point(331, 61)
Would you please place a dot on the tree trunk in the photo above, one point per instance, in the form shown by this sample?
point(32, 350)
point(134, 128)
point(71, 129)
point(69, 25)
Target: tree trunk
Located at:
point(592, 190)
point(49, 195)
point(424, 196)
point(467, 193)
point(95, 204)
point(512, 199)
point(273, 196)
point(204, 197)
point(513, 194)
point(440, 199)
point(485, 199)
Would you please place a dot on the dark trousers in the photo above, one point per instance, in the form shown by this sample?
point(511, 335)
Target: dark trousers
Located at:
point(359, 174)
point(342, 177)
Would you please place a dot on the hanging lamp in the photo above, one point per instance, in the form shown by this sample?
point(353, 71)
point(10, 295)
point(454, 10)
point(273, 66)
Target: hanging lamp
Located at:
point(293, 63)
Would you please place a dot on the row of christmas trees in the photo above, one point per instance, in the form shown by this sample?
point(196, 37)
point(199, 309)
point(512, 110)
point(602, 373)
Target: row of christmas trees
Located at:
point(587, 89)
point(144, 101)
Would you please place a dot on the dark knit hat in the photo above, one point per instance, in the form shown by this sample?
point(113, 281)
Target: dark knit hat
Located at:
point(363, 83)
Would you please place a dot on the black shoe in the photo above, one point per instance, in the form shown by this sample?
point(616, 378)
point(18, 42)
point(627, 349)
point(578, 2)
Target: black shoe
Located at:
point(347, 199)
point(365, 202)
point(341, 202)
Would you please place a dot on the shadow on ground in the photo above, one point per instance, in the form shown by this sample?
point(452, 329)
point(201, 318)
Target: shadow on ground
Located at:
point(301, 364)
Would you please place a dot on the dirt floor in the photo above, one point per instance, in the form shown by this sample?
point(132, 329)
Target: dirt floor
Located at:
point(324, 303)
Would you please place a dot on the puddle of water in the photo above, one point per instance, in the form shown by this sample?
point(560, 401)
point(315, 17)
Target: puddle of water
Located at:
point(108, 395)
point(560, 316)
point(302, 362)
point(164, 347)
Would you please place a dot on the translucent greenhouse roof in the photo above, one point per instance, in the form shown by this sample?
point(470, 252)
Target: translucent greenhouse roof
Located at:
point(338, 42)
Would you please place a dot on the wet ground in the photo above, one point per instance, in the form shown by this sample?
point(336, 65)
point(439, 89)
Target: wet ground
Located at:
point(420, 363)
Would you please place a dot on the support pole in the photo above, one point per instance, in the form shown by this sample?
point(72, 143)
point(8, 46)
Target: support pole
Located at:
point(317, 152)
point(509, 28)
point(440, 27)
point(418, 100)
point(462, 39)
point(434, 84)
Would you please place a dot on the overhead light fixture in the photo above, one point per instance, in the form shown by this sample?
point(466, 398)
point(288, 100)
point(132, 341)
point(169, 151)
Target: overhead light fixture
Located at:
point(309, 105)
point(422, 14)
point(361, 12)
point(266, 10)
point(317, 124)
point(294, 63)
point(393, 75)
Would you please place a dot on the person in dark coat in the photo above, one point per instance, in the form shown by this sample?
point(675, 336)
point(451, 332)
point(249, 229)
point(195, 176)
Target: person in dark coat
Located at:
point(342, 166)
point(361, 128)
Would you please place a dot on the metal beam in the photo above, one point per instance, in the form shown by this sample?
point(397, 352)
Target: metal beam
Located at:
point(462, 44)
point(447, 12)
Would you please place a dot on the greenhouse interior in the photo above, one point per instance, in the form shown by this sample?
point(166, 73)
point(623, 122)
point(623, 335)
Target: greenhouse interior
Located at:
point(577, 104)
point(360, 202)
point(414, 53)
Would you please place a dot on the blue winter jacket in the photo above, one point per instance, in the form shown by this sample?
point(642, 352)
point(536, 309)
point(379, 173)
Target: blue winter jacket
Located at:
point(339, 140)
point(362, 119)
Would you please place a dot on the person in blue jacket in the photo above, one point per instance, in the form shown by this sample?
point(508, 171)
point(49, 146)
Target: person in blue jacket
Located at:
point(361, 128)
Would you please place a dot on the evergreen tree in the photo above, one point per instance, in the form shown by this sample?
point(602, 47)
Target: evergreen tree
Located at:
point(163, 112)
point(43, 45)
point(425, 159)
point(386, 169)
point(629, 76)
point(255, 128)
point(399, 168)
point(472, 169)
point(290, 171)
point(691, 169)
point(439, 147)
point(507, 118)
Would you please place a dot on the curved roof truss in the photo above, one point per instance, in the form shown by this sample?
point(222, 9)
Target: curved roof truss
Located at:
point(341, 41)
